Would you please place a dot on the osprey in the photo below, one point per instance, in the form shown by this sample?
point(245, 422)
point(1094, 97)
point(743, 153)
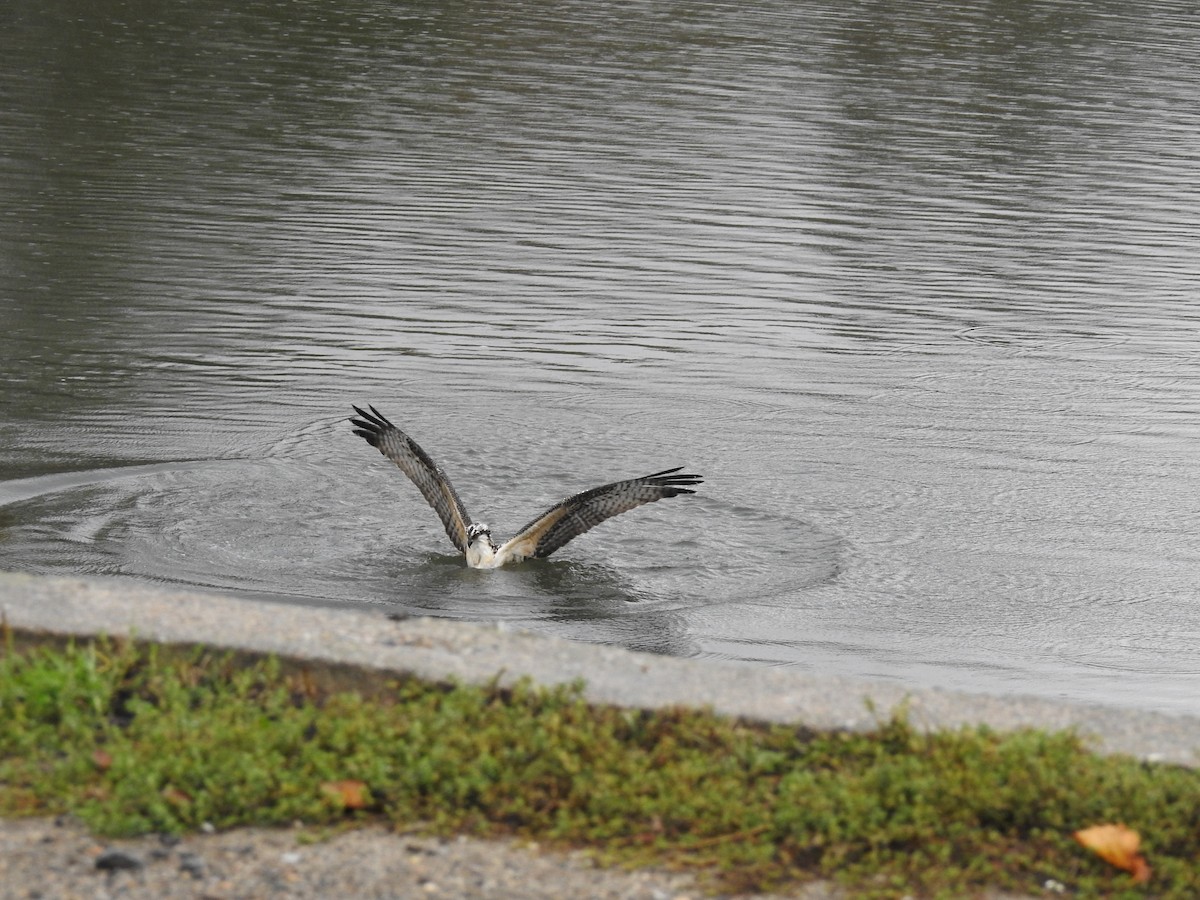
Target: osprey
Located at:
point(541, 537)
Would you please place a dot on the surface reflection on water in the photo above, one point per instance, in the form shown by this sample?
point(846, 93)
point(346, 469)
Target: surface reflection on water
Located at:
point(914, 289)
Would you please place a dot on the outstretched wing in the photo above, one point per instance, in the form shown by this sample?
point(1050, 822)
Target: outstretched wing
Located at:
point(414, 462)
point(575, 515)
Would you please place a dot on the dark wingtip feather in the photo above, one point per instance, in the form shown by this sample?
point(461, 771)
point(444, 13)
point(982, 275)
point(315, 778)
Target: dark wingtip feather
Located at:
point(673, 484)
point(369, 426)
point(371, 437)
point(668, 478)
point(379, 417)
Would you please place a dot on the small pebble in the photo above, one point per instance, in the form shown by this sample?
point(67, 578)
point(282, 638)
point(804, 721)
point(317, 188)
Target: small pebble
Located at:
point(191, 863)
point(112, 860)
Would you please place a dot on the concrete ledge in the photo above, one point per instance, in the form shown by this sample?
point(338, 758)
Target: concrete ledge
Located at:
point(439, 649)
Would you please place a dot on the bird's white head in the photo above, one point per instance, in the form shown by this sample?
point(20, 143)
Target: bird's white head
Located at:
point(479, 533)
point(481, 549)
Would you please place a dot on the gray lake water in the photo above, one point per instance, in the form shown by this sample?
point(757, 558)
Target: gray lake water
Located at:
point(916, 287)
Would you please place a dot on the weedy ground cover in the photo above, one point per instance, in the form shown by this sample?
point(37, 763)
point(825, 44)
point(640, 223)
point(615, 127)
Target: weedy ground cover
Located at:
point(137, 738)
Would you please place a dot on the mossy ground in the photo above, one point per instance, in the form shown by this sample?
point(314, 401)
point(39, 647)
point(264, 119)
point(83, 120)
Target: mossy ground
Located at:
point(134, 739)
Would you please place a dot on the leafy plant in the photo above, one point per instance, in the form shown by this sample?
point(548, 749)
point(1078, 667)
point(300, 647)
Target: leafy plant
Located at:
point(139, 738)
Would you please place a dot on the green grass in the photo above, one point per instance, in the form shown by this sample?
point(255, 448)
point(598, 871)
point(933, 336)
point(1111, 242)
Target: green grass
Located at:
point(136, 738)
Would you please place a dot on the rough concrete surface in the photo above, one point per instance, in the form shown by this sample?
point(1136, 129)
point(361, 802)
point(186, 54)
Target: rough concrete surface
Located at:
point(441, 649)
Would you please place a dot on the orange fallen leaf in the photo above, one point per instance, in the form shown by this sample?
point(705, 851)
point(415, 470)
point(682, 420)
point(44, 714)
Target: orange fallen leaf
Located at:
point(1117, 845)
point(351, 794)
point(102, 759)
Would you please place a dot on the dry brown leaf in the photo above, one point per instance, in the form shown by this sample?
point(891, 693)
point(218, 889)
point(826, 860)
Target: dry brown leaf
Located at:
point(303, 685)
point(1118, 846)
point(102, 759)
point(351, 794)
point(176, 796)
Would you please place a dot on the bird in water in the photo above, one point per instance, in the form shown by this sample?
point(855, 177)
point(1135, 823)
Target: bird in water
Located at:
point(541, 537)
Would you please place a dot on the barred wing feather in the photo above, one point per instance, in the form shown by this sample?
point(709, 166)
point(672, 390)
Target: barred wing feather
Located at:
point(414, 462)
point(584, 511)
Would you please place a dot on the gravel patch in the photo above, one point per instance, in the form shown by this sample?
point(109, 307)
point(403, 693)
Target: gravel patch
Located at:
point(57, 859)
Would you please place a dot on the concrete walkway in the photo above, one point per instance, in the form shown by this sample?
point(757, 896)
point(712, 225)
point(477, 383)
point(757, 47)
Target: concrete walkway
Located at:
point(440, 649)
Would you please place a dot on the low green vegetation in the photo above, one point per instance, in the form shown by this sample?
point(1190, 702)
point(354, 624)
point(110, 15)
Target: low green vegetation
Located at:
point(136, 738)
